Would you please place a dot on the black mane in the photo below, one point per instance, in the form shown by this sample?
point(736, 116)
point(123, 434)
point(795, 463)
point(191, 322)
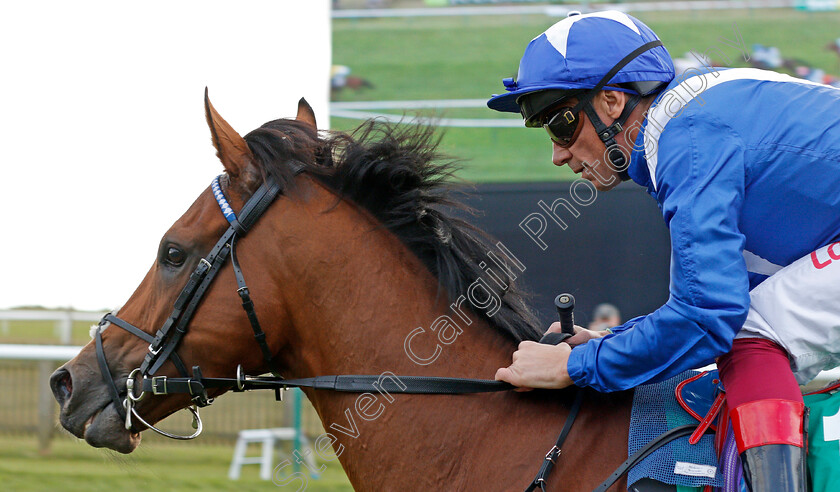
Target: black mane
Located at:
point(397, 174)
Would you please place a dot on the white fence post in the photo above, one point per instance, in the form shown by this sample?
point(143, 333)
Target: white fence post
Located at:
point(46, 406)
point(65, 327)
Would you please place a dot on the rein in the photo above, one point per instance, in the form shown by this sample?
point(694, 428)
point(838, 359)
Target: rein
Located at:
point(163, 344)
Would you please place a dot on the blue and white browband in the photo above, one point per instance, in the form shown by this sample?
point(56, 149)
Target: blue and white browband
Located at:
point(222, 201)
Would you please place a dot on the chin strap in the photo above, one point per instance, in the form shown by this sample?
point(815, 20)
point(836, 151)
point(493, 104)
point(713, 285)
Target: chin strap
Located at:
point(607, 133)
point(614, 152)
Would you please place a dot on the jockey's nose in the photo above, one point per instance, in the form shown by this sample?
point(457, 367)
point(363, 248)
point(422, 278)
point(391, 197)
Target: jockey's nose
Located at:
point(559, 155)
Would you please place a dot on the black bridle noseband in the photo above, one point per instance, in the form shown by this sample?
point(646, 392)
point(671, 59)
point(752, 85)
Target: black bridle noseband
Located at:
point(163, 344)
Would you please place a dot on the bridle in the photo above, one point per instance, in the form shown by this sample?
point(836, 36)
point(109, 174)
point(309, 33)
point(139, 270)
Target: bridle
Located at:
point(163, 344)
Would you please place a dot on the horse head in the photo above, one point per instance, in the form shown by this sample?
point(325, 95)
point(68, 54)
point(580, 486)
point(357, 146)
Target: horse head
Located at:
point(356, 263)
point(88, 408)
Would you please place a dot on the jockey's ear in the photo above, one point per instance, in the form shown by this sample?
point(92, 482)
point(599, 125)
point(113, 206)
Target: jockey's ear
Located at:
point(305, 113)
point(231, 149)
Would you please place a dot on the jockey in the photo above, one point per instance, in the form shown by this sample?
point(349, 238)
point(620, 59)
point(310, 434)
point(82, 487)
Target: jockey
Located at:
point(745, 166)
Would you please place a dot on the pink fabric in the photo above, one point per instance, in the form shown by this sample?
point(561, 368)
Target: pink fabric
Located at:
point(757, 369)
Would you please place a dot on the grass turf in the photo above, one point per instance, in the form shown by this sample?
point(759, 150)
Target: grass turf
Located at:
point(42, 332)
point(424, 58)
point(186, 466)
point(466, 57)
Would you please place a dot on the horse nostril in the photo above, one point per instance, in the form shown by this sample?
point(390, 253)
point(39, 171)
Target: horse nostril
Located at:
point(61, 384)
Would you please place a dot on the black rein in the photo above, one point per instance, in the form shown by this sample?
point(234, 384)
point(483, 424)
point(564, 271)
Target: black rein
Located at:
point(163, 344)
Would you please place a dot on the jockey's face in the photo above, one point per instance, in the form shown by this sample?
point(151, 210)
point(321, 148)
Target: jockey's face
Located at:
point(586, 155)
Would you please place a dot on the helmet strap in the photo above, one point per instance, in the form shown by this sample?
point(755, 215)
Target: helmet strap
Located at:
point(613, 71)
point(607, 134)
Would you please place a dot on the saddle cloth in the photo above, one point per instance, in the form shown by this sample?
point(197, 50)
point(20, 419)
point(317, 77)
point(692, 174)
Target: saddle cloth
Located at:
point(656, 410)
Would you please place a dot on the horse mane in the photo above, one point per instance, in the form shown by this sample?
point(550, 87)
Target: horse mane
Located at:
point(397, 174)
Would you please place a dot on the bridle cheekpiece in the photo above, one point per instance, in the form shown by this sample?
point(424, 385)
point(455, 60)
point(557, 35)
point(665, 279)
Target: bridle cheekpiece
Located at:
point(163, 344)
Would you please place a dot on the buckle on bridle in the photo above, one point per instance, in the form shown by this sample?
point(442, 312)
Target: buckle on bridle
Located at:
point(240, 379)
point(155, 389)
point(553, 453)
point(199, 393)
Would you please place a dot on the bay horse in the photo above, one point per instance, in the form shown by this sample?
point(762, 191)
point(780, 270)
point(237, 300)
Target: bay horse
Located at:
point(359, 250)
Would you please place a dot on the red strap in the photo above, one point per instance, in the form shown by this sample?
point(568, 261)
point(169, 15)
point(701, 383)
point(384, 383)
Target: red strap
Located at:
point(707, 420)
point(763, 422)
point(681, 401)
point(827, 389)
point(723, 429)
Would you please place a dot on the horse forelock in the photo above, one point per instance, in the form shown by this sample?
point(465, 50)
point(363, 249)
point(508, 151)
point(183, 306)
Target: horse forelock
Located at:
point(397, 174)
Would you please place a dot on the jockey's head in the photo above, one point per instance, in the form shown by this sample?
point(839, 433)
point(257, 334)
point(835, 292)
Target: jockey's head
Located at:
point(599, 65)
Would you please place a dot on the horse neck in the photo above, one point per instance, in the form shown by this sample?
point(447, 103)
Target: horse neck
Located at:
point(359, 293)
point(354, 293)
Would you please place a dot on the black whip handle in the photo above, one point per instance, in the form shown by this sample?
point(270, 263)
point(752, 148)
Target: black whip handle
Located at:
point(565, 304)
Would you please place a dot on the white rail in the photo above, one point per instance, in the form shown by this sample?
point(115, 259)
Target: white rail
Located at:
point(37, 315)
point(38, 352)
point(562, 10)
point(360, 110)
point(63, 320)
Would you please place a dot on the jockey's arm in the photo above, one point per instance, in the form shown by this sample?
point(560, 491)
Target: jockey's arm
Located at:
point(700, 190)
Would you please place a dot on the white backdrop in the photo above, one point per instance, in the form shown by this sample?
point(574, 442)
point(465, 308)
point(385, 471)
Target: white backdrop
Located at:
point(103, 142)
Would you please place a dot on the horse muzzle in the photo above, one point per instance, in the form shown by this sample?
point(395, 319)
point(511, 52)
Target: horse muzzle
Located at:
point(87, 411)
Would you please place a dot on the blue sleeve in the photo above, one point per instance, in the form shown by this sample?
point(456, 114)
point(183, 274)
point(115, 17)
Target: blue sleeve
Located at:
point(627, 324)
point(700, 186)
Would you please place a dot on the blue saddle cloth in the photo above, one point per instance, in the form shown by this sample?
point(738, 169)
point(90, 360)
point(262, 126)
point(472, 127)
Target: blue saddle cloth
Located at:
point(656, 410)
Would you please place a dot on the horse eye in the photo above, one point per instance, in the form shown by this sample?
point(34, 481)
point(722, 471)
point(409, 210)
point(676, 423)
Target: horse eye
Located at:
point(174, 256)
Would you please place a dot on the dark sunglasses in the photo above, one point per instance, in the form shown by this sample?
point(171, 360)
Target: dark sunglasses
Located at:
point(564, 126)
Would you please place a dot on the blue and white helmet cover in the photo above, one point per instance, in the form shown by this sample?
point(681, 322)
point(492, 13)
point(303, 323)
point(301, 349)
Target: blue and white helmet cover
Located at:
point(578, 51)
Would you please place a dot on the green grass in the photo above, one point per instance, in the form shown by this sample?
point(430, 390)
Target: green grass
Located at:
point(74, 466)
point(42, 332)
point(528, 153)
point(158, 464)
point(800, 35)
point(466, 57)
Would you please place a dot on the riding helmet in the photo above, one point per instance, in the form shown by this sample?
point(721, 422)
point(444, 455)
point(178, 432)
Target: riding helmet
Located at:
point(575, 54)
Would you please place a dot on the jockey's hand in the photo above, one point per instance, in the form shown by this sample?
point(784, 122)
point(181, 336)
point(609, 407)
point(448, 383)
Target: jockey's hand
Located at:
point(582, 335)
point(537, 365)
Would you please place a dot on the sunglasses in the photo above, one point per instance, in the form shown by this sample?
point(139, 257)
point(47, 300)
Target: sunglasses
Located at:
point(564, 126)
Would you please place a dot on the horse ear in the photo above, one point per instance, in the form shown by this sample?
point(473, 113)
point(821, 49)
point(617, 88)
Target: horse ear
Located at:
point(305, 113)
point(230, 147)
